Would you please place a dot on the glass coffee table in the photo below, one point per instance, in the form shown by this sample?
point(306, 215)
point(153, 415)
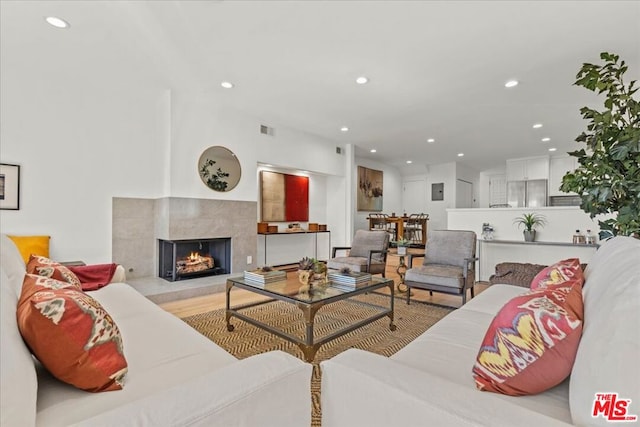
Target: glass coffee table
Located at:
point(309, 302)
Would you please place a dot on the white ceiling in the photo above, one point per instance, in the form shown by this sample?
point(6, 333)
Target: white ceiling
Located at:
point(437, 68)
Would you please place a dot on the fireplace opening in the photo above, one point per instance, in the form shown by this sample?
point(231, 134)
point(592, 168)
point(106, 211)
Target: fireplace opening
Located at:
point(187, 259)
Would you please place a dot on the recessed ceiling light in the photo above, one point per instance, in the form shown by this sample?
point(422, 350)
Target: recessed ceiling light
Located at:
point(344, 129)
point(57, 22)
point(362, 80)
point(431, 140)
point(537, 126)
point(545, 139)
point(226, 85)
point(460, 154)
point(552, 149)
point(373, 150)
point(409, 162)
point(511, 83)
point(269, 166)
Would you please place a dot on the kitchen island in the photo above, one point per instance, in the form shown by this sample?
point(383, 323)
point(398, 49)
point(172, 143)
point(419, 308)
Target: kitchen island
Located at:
point(553, 241)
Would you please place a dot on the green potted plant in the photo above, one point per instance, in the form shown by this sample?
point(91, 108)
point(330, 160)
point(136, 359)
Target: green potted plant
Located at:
point(402, 245)
point(608, 176)
point(530, 221)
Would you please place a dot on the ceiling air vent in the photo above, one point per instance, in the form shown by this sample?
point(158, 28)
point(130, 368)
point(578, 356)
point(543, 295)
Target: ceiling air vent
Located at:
point(266, 130)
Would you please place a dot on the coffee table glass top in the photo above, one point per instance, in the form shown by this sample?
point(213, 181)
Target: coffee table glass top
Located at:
point(291, 288)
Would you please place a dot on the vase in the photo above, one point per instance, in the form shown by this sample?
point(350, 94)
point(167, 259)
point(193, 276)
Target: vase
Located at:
point(318, 278)
point(303, 276)
point(402, 250)
point(529, 236)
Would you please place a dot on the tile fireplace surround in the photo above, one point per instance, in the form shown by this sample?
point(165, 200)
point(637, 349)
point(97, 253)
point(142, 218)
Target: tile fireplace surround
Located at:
point(139, 223)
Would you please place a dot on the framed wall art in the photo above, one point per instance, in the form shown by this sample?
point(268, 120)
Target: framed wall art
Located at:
point(9, 186)
point(284, 197)
point(219, 169)
point(369, 189)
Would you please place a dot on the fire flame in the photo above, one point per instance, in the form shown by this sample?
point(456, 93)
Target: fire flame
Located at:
point(194, 256)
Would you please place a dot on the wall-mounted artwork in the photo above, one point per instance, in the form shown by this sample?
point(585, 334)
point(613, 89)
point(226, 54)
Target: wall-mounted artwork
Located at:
point(284, 197)
point(369, 189)
point(9, 186)
point(219, 168)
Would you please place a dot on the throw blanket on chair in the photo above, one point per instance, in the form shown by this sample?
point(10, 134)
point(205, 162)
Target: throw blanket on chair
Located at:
point(93, 277)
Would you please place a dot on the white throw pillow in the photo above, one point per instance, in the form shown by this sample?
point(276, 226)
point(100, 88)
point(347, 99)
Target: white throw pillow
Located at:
point(18, 380)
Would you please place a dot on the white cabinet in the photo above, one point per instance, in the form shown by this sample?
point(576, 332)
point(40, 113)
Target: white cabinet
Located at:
point(528, 168)
point(558, 167)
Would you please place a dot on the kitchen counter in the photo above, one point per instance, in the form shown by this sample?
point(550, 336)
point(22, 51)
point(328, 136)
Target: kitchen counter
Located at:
point(554, 240)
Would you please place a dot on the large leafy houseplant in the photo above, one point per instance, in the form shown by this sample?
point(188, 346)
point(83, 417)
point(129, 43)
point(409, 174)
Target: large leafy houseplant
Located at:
point(608, 175)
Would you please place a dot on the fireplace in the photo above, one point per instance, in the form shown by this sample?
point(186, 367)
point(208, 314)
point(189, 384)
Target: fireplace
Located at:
point(186, 259)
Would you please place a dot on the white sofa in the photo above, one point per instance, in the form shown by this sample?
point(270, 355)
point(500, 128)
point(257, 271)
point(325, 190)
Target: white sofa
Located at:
point(176, 377)
point(429, 382)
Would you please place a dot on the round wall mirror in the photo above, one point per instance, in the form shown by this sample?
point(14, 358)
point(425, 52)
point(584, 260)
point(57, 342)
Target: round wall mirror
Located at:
point(219, 168)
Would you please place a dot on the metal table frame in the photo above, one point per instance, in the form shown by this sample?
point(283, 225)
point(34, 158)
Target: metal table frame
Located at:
point(310, 344)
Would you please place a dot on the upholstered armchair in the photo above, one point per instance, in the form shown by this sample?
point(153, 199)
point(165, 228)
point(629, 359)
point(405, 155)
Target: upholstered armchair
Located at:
point(367, 253)
point(448, 266)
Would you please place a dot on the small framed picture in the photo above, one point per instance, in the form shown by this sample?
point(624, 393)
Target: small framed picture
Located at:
point(9, 186)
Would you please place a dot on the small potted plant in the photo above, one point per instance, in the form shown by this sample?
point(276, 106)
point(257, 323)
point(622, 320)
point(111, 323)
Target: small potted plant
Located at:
point(402, 245)
point(530, 221)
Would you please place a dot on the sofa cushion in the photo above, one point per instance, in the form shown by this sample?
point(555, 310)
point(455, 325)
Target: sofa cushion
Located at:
point(161, 352)
point(607, 359)
point(531, 344)
point(12, 264)
point(43, 266)
point(18, 383)
point(71, 334)
point(560, 272)
point(31, 245)
point(436, 274)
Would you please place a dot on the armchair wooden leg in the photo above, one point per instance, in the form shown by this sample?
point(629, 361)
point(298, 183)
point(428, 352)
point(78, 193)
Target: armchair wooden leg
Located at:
point(464, 297)
point(408, 294)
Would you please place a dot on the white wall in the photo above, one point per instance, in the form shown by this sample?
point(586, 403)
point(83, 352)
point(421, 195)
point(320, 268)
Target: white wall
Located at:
point(391, 191)
point(437, 210)
point(78, 147)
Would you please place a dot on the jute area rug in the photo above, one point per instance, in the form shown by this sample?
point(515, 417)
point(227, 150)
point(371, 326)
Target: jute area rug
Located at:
point(247, 340)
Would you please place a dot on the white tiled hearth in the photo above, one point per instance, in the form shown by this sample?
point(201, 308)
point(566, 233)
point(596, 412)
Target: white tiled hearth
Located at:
point(160, 291)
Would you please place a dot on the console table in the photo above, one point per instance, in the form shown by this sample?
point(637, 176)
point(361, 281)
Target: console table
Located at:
point(493, 252)
point(283, 248)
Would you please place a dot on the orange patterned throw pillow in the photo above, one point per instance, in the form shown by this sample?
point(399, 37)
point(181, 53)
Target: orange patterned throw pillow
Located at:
point(560, 272)
point(43, 266)
point(71, 334)
point(532, 342)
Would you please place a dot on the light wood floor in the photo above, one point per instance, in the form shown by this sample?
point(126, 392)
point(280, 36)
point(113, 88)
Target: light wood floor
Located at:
point(192, 306)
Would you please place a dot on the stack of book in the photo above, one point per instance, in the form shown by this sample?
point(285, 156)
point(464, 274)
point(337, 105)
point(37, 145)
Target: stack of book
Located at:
point(351, 279)
point(264, 277)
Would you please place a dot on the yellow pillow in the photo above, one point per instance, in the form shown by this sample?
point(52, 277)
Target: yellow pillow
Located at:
point(27, 245)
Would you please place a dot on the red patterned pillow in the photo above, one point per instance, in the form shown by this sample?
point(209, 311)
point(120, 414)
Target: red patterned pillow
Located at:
point(560, 272)
point(532, 342)
point(71, 334)
point(43, 266)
